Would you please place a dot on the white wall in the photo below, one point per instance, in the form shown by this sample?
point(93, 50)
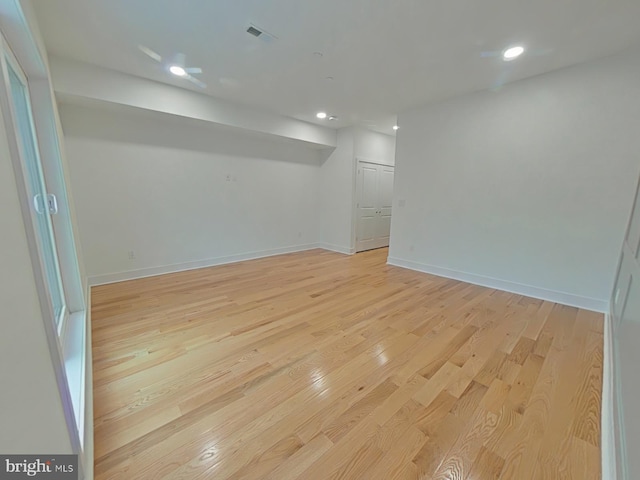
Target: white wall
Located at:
point(337, 191)
point(375, 146)
point(81, 80)
point(527, 188)
point(157, 185)
point(31, 413)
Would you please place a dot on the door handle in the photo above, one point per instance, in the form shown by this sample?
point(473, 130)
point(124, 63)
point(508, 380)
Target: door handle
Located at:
point(37, 204)
point(52, 203)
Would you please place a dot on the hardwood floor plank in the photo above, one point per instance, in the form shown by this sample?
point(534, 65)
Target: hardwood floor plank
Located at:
point(392, 464)
point(462, 455)
point(316, 365)
point(452, 346)
point(270, 459)
point(440, 440)
point(362, 408)
point(487, 466)
point(297, 463)
point(586, 421)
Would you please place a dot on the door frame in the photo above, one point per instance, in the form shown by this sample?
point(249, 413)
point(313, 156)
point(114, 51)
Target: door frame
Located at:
point(356, 193)
point(615, 449)
point(9, 61)
point(17, 40)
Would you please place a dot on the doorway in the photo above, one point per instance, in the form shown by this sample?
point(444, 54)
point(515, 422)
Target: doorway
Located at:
point(33, 142)
point(374, 194)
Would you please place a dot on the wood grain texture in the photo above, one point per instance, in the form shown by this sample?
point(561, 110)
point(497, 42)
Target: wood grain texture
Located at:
point(316, 365)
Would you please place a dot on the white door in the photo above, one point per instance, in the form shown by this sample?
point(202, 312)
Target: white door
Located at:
point(26, 128)
point(385, 200)
point(43, 203)
point(626, 355)
point(374, 190)
point(367, 231)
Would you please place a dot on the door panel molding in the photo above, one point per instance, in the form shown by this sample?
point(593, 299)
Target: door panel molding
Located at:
point(374, 201)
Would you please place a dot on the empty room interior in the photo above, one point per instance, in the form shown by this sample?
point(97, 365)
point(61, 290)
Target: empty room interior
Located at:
point(363, 239)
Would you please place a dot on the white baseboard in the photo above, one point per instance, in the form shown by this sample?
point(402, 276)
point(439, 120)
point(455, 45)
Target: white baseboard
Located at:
point(180, 267)
point(569, 299)
point(337, 248)
point(607, 423)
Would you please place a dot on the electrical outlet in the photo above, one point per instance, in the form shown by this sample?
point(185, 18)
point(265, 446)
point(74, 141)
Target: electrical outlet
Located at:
point(299, 234)
point(131, 254)
point(411, 248)
point(228, 177)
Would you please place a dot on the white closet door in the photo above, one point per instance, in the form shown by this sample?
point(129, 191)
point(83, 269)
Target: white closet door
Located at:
point(374, 191)
point(367, 207)
point(385, 200)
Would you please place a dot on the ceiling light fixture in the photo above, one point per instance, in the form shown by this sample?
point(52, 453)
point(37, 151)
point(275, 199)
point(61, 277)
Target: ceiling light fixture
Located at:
point(396, 127)
point(177, 70)
point(512, 53)
point(321, 115)
point(333, 117)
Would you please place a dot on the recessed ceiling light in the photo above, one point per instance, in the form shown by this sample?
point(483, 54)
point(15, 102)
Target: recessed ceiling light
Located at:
point(333, 117)
point(396, 127)
point(177, 70)
point(512, 52)
point(321, 115)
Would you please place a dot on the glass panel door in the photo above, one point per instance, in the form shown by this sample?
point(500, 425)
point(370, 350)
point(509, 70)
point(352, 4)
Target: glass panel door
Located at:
point(42, 204)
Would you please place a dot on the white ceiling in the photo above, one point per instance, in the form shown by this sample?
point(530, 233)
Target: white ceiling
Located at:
point(385, 56)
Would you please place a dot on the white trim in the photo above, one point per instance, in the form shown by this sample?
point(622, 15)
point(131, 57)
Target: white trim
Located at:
point(375, 162)
point(337, 248)
point(608, 444)
point(88, 395)
point(179, 267)
point(74, 356)
point(620, 445)
point(570, 299)
point(354, 202)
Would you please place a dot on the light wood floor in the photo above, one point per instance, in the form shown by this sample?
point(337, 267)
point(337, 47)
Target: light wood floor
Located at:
point(316, 365)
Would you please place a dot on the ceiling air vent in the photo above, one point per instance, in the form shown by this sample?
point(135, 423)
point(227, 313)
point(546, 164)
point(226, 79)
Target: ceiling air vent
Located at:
point(260, 33)
point(254, 31)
